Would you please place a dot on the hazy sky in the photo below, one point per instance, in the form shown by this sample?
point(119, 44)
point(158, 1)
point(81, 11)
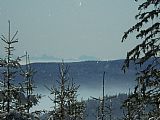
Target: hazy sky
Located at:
point(69, 28)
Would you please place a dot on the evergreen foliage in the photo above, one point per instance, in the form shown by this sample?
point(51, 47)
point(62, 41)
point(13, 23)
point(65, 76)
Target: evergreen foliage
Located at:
point(14, 103)
point(66, 105)
point(144, 103)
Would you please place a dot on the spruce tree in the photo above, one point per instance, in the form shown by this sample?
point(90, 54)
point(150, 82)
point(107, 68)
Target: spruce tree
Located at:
point(27, 72)
point(144, 103)
point(10, 67)
point(14, 104)
point(66, 105)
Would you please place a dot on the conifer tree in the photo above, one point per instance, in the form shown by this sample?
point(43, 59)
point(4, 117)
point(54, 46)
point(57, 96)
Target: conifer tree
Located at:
point(13, 101)
point(66, 105)
point(10, 66)
point(144, 103)
point(27, 72)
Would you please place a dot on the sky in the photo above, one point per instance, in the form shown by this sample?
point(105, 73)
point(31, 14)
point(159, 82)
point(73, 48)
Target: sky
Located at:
point(69, 29)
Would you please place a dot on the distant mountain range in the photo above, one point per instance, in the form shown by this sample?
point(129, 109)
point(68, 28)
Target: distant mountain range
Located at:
point(45, 58)
point(88, 75)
